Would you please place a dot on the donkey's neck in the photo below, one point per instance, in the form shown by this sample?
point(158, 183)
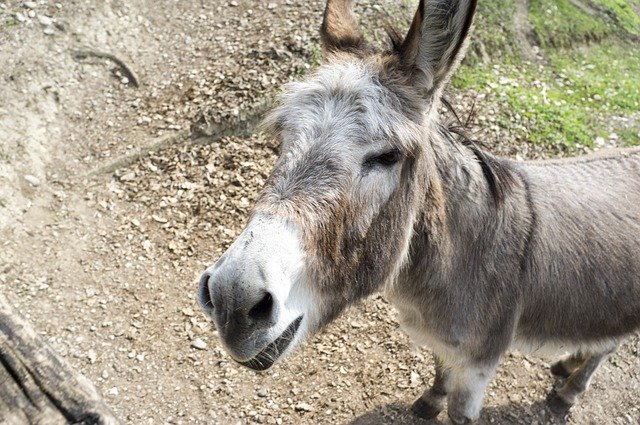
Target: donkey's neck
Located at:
point(469, 194)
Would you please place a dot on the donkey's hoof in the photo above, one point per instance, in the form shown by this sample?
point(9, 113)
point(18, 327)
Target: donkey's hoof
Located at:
point(458, 419)
point(557, 404)
point(560, 370)
point(425, 410)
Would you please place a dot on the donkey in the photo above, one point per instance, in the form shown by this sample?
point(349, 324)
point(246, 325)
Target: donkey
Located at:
point(373, 191)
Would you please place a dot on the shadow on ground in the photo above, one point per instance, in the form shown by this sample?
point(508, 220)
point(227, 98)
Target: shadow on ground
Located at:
point(513, 413)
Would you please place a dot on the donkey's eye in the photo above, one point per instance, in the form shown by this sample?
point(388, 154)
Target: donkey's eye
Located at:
point(386, 159)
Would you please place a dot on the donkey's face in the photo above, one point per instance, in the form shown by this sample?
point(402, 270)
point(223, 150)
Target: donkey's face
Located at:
point(334, 221)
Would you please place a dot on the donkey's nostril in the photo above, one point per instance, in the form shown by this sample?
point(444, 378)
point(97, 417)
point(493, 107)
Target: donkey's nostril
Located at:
point(204, 295)
point(263, 309)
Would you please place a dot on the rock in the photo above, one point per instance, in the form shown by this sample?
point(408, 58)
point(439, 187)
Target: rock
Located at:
point(199, 344)
point(271, 6)
point(30, 4)
point(128, 176)
point(31, 14)
point(414, 380)
point(45, 21)
point(113, 391)
point(303, 407)
point(20, 17)
point(49, 31)
point(92, 356)
point(262, 392)
point(32, 180)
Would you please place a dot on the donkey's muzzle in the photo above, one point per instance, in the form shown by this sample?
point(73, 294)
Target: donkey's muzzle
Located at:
point(233, 307)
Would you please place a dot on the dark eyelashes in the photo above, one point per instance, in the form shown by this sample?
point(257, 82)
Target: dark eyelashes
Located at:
point(385, 159)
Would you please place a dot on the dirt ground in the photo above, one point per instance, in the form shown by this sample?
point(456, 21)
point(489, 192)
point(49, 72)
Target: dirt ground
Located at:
point(109, 211)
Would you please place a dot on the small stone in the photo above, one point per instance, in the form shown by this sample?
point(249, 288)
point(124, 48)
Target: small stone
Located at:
point(20, 17)
point(31, 14)
point(188, 312)
point(105, 374)
point(159, 219)
point(199, 344)
point(128, 176)
point(262, 392)
point(49, 31)
point(45, 21)
point(113, 391)
point(303, 407)
point(233, 3)
point(597, 97)
point(30, 4)
point(32, 180)
point(271, 6)
point(414, 380)
point(92, 356)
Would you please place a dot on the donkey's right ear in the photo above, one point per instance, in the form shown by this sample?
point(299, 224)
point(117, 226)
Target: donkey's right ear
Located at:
point(435, 43)
point(340, 30)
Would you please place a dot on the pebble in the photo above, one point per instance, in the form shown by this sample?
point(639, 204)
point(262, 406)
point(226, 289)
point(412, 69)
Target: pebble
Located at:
point(262, 392)
point(113, 391)
point(20, 17)
point(92, 356)
point(32, 180)
point(45, 21)
point(303, 407)
point(199, 344)
point(49, 31)
point(271, 6)
point(30, 4)
point(128, 177)
point(31, 14)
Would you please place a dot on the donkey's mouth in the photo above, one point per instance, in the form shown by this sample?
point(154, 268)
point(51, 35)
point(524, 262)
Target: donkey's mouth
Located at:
point(265, 358)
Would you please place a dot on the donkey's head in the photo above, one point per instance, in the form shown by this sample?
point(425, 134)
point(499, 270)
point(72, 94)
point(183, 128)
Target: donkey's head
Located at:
point(336, 217)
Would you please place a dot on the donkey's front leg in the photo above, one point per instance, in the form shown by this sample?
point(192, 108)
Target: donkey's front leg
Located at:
point(468, 383)
point(431, 403)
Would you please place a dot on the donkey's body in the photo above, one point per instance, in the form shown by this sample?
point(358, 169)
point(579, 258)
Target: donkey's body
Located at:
point(371, 192)
point(555, 267)
point(558, 263)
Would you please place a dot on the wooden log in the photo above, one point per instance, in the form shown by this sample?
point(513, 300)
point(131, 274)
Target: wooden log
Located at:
point(37, 386)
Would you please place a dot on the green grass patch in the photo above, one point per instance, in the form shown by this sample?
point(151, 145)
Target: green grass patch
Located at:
point(566, 102)
point(558, 23)
point(622, 13)
point(630, 136)
point(493, 33)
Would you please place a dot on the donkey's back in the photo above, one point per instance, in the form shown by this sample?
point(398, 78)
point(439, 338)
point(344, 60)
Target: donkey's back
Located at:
point(582, 270)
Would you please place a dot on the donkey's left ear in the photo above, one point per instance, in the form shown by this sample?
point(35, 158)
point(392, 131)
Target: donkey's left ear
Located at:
point(340, 30)
point(435, 44)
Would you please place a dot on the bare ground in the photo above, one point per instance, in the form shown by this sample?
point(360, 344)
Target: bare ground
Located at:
point(108, 213)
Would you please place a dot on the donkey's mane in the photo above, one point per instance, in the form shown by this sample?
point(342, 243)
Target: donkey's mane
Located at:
point(497, 172)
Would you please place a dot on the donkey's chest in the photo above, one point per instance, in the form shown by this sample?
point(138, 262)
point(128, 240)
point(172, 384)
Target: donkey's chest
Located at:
point(428, 327)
